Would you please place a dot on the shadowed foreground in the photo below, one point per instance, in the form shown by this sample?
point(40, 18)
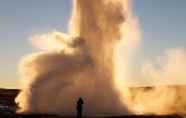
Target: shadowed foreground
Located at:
point(56, 116)
point(8, 106)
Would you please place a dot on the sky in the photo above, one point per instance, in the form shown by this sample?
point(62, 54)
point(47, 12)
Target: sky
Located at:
point(162, 24)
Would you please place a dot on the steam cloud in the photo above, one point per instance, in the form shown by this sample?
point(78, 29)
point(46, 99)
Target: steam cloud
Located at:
point(76, 64)
point(165, 94)
point(93, 62)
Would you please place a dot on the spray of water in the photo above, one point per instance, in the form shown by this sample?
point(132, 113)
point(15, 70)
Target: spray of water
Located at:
point(93, 61)
point(76, 64)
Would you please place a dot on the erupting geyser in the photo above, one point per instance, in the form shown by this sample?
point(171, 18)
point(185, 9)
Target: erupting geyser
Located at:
point(76, 64)
point(92, 62)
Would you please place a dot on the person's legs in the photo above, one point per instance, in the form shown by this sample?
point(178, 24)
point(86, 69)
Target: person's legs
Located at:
point(77, 114)
point(80, 114)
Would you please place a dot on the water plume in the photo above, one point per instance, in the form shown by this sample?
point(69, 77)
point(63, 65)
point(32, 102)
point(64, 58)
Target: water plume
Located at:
point(76, 64)
point(94, 61)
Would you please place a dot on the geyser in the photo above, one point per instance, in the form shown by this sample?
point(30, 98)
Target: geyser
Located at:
point(77, 64)
point(93, 61)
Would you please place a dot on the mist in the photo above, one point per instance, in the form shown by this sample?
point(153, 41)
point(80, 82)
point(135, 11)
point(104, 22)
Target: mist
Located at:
point(93, 60)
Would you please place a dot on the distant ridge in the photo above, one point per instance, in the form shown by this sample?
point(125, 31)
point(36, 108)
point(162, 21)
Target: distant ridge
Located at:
point(7, 96)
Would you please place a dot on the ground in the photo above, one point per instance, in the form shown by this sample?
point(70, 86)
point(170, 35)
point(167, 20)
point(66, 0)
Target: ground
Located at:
point(8, 106)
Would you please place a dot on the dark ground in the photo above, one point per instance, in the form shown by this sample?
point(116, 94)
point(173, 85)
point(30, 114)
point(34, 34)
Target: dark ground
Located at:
point(56, 116)
point(8, 106)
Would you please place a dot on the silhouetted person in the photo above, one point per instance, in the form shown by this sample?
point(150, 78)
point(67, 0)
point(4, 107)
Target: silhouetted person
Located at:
point(79, 107)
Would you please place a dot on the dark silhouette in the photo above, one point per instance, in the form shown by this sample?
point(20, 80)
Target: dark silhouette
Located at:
point(79, 107)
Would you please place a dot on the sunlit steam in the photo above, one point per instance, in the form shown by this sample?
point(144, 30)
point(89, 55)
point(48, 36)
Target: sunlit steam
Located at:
point(93, 61)
point(78, 64)
point(165, 93)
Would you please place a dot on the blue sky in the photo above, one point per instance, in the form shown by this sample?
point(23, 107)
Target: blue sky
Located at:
point(162, 22)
